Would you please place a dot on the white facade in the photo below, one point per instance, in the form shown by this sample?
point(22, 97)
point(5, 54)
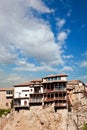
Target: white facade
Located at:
point(21, 92)
point(54, 78)
point(64, 78)
point(22, 96)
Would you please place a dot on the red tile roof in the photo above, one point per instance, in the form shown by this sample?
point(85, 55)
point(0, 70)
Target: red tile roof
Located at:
point(57, 75)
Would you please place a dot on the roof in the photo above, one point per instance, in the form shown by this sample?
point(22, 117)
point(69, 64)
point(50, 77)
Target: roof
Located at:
point(73, 82)
point(4, 89)
point(37, 81)
point(57, 75)
point(23, 84)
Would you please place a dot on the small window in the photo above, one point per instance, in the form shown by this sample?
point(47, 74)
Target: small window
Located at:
point(58, 78)
point(25, 103)
point(26, 95)
point(6, 104)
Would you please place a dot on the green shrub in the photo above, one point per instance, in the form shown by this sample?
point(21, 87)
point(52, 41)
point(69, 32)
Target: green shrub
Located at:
point(4, 111)
point(84, 126)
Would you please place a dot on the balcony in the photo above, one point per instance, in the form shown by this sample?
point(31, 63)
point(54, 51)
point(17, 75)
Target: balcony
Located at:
point(60, 105)
point(9, 93)
point(54, 90)
point(54, 99)
point(35, 100)
point(20, 106)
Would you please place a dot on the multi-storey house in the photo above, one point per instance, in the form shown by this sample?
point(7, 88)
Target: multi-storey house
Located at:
point(75, 91)
point(36, 97)
point(22, 95)
point(54, 90)
point(27, 94)
point(6, 97)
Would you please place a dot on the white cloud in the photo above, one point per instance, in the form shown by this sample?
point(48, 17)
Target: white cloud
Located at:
point(84, 64)
point(14, 78)
point(39, 5)
point(66, 68)
point(84, 77)
point(62, 36)
point(25, 36)
point(30, 36)
point(68, 56)
point(23, 65)
point(61, 23)
point(6, 56)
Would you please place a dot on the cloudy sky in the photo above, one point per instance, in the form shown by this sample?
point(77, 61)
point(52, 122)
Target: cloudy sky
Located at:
point(42, 37)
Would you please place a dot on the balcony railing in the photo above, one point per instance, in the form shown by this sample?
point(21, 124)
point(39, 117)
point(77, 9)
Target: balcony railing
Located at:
point(19, 105)
point(60, 104)
point(35, 100)
point(9, 95)
point(54, 99)
point(54, 90)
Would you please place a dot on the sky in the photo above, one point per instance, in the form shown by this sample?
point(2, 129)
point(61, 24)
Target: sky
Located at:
point(42, 37)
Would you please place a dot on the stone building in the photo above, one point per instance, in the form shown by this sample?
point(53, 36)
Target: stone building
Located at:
point(6, 97)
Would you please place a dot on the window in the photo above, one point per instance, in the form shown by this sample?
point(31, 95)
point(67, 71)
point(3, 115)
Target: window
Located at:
point(31, 90)
point(6, 104)
point(25, 90)
point(9, 92)
point(25, 103)
point(26, 95)
point(58, 78)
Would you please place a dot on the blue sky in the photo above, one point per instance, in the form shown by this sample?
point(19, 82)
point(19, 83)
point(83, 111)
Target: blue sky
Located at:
point(42, 37)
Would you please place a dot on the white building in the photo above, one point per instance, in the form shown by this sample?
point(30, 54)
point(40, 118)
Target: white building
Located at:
point(26, 93)
point(22, 95)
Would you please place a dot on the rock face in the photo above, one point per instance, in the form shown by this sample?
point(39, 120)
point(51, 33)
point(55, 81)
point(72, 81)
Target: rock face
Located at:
point(37, 119)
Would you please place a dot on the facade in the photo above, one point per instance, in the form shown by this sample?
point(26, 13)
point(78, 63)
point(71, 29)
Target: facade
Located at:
point(54, 90)
point(6, 97)
point(75, 91)
point(45, 91)
point(36, 97)
point(22, 95)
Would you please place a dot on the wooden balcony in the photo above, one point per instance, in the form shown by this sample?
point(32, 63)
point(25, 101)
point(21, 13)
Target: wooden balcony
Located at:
point(20, 106)
point(54, 90)
point(35, 100)
point(60, 105)
point(54, 99)
point(9, 95)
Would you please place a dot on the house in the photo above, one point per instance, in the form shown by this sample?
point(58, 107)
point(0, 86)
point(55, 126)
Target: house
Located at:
point(22, 95)
point(54, 90)
point(45, 91)
point(36, 97)
point(75, 91)
point(6, 97)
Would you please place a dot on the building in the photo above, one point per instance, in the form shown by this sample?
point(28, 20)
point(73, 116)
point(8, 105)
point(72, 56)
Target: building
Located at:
point(75, 91)
point(6, 97)
point(54, 90)
point(36, 97)
point(22, 95)
point(45, 91)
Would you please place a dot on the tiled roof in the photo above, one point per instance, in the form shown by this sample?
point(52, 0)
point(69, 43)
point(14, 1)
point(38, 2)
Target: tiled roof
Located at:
point(74, 82)
point(4, 89)
point(37, 81)
point(23, 84)
point(57, 75)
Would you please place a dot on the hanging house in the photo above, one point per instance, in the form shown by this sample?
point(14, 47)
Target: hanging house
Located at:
point(54, 90)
